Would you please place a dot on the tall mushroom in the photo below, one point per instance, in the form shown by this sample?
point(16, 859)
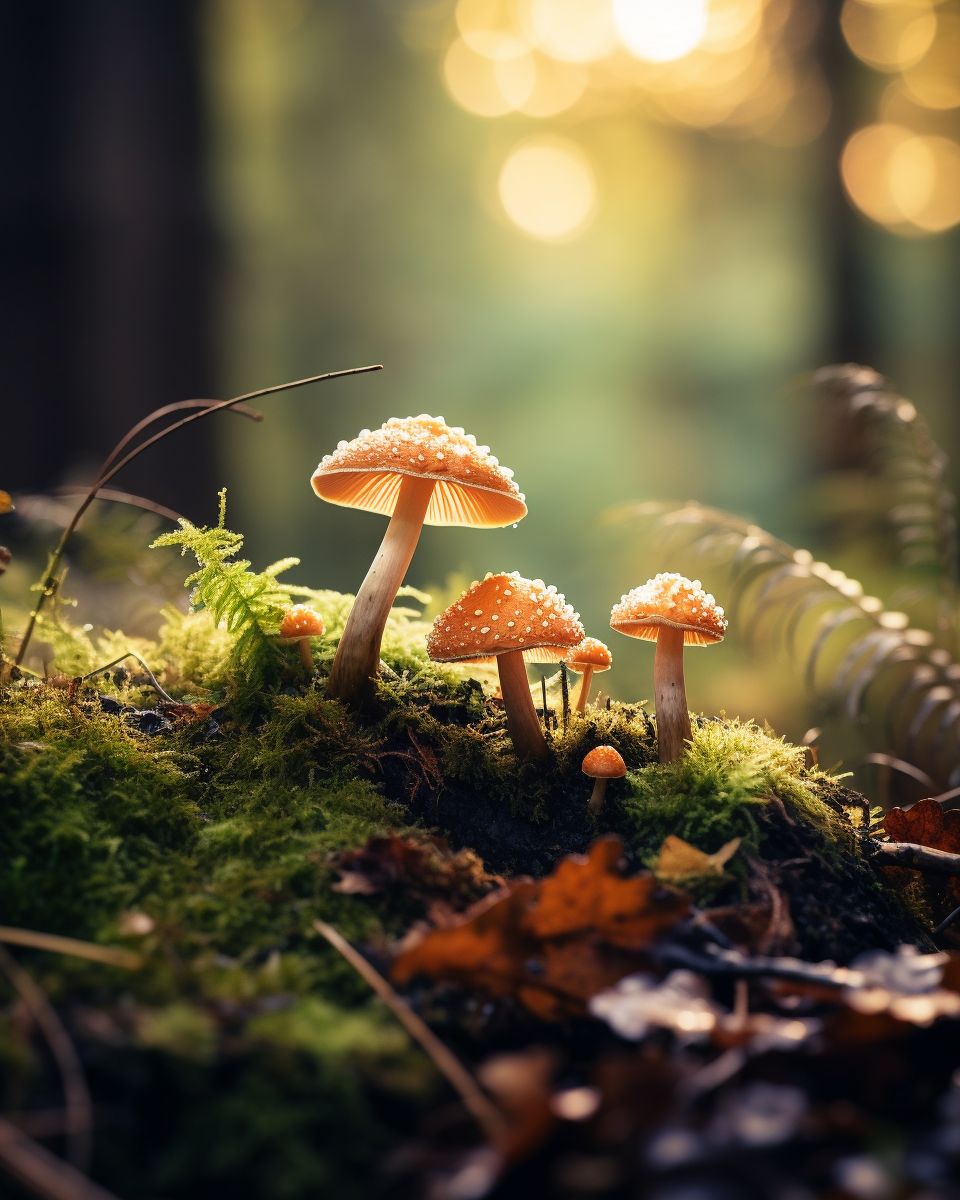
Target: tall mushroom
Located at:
point(417, 471)
point(590, 656)
point(673, 612)
point(512, 620)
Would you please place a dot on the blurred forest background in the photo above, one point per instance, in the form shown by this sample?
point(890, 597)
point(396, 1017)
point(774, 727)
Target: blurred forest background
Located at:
point(608, 237)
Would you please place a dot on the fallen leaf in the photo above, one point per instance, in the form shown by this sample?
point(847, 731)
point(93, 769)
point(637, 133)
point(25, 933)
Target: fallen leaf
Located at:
point(552, 944)
point(6, 504)
point(927, 824)
point(679, 860)
point(423, 866)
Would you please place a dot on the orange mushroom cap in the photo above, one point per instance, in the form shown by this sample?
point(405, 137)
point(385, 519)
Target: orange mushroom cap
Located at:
point(671, 600)
point(603, 762)
point(472, 488)
point(301, 621)
point(504, 613)
point(590, 653)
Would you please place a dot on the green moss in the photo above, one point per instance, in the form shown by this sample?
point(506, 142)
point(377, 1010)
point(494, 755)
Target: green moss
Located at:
point(713, 793)
point(262, 1066)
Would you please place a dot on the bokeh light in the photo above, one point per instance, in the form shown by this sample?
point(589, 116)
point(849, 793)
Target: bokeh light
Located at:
point(547, 189)
point(658, 31)
point(889, 36)
point(742, 68)
point(934, 82)
point(902, 180)
point(575, 31)
point(489, 87)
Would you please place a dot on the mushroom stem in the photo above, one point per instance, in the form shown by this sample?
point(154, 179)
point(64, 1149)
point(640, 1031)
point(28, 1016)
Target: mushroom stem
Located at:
point(597, 797)
point(358, 655)
point(525, 732)
point(584, 688)
point(303, 645)
point(670, 697)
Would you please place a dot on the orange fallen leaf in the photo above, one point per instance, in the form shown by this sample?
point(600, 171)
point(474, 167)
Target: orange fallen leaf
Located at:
point(552, 944)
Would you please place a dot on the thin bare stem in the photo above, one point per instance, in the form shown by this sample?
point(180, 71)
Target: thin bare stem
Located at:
point(75, 1090)
point(42, 1172)
point(49, 583)
point(130, 654)
point(242, 410)
point(72, 946)
point(124, 498)
point(490, 1119)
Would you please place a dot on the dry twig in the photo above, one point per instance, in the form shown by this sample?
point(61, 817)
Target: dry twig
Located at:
point(42, 1172)
point(480, 1107)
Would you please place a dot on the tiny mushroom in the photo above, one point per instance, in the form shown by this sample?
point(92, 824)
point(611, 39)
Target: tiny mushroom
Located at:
point(673, 612)
point(299, 625)
point(512, 620)
point(601, 764)
point(417, 471)
point(591, 655)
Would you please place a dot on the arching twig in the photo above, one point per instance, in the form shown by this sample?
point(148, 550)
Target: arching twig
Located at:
point(49, 583)
point(42, 1172)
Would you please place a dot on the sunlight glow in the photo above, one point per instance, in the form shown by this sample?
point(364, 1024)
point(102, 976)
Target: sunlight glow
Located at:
point(899, 179)
point(660, 30)
point(489, 87)
point(889, 37)
point(547, 189)
point(570, 30)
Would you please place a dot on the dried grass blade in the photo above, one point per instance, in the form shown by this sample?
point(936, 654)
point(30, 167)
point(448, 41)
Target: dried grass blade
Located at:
point(42, 1172)
point(480, 1107)
point(71, 946)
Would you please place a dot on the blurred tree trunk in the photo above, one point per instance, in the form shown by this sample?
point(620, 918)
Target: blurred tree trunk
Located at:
point(105, 241)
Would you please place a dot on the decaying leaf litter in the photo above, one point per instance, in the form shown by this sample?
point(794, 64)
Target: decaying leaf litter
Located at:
point(643, 994)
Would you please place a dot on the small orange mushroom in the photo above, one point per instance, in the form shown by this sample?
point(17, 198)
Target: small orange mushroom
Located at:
point(299, 625)
point(417, 471)
point(513, 620)
point(601, 764)
point(672, 611)
point(590, 656)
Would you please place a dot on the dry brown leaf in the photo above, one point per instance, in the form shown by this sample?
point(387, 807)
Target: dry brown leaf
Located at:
point(679, 860)
point(423, 866)
point(927, 824)
point(552, 944)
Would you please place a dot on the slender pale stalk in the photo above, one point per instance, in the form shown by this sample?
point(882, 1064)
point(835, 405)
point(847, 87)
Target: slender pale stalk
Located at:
point(525, 732)
point(597, 797)
point(358, 655)
point(670, 697)
point(303, 645)
point(584, 689)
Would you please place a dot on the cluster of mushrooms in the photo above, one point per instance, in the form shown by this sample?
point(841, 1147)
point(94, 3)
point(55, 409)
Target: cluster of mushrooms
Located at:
point(420, 471)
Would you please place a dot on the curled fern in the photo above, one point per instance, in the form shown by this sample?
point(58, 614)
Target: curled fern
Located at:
point(249, 604)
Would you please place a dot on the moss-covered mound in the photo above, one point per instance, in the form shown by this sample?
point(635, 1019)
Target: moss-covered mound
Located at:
point(245, 1058)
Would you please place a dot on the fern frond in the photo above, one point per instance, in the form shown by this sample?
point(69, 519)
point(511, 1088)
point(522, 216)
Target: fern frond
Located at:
point(883, 435)
point(856, 656)
point(248, 604)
